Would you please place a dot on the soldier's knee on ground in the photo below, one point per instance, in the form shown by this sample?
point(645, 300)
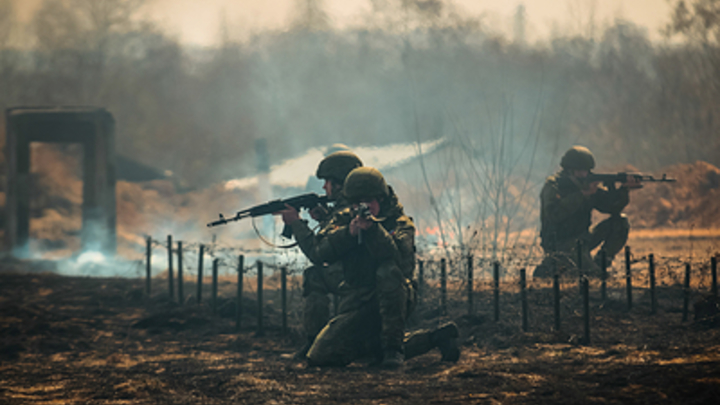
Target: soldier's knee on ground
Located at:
point(334, 345)
point(316, 313)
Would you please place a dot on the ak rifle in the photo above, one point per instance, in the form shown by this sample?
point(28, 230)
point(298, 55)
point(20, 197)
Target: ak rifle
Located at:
point(309, 200)
point(610, 179)
point(363, 211)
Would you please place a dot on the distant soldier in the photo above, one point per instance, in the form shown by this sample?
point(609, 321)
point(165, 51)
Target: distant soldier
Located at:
point(567, 202)
point(377, 251)
point(323, 277)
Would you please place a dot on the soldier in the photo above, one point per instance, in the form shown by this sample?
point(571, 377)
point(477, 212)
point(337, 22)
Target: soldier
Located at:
point(323, 277)
point(567, 202)
point(377, 252)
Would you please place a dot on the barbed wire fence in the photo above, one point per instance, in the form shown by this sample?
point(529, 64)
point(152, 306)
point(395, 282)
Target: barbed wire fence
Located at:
point(451, 283)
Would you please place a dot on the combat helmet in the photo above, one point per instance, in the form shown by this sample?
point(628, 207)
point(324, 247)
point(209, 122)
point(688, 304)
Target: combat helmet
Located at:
point(578, 158)
point(365, 183)
point(337, 165)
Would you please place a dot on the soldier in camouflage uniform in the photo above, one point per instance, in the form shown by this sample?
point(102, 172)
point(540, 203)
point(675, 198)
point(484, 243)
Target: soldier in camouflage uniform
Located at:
point(323, 277)
point(567, 202)
point(378, 261)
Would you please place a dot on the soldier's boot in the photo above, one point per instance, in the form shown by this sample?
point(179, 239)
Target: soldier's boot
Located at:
point(316, 314)
point(445, 338)
point(392, 359)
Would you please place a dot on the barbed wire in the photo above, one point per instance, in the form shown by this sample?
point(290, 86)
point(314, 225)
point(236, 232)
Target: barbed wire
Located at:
point(669, 269)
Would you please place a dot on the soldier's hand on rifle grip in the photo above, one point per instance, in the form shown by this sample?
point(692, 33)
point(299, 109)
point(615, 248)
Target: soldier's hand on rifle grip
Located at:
point(319, 213)
point(364, 223)
point(354, 228)
point(360, 224)
point(289, 214)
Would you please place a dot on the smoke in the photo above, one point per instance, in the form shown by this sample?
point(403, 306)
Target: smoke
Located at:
point(413, 72)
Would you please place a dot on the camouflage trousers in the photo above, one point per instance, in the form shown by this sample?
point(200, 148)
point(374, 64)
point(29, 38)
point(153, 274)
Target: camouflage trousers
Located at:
point(395, 300)
point(318, 282)
point(610, 235)
point(359, 331)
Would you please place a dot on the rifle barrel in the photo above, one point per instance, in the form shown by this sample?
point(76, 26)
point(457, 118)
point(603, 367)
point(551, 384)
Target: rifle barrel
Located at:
point(308, 200)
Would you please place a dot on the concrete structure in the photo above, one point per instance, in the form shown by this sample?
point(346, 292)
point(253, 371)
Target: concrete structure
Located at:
point(94, 128)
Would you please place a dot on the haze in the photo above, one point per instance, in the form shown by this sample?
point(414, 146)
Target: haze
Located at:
point(197, 22)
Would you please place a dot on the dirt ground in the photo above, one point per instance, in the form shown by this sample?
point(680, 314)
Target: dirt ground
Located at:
point(81, 340)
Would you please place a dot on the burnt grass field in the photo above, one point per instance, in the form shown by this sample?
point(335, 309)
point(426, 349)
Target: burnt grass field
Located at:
point(82, 340)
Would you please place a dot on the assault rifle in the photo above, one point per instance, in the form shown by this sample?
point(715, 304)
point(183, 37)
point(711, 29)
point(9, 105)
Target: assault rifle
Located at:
point(362, 211)
point(610, 179)
point(309, 200)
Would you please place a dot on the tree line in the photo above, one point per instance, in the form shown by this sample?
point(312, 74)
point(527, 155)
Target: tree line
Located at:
point(422, 74)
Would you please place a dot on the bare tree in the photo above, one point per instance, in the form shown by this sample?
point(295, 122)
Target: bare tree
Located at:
point(83, 24)
point(311, 15)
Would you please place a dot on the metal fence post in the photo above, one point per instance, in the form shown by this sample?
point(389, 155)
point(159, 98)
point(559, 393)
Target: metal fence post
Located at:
point(214, 285)
point(238, 302)
point(496, 290)
point(181, 291)
point(171, 281)
point(523, 300)
point(260, 326)
point(686, 292)
point(148, 265)
point(628, 278)
point(653, 297)
point(471, 306)
point(201, 255)
point(586, 308)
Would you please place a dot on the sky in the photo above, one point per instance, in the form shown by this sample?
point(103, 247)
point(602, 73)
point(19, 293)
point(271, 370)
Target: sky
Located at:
point(197, 21)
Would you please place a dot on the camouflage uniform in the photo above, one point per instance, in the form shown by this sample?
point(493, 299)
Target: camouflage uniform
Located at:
point(323, 277)
point(566, 216)
point(376, 293)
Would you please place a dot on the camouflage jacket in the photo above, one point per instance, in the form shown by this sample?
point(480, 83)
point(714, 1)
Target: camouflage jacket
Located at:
point(565, 213)
point(307, 239)
point(390, 239)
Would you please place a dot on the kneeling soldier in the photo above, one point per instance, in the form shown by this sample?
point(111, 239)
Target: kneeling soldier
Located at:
point(376, 246)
